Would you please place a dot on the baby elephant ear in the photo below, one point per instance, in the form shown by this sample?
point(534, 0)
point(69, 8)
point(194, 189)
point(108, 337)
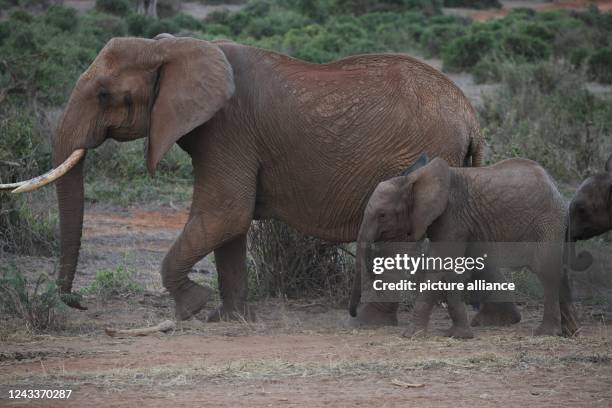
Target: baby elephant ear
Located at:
point(421, 161)
point(609, 164)
point(430, 191)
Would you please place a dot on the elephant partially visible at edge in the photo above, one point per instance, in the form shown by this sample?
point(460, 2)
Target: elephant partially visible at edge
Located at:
point(512, 201)
point(590, 211)
point(269, 137)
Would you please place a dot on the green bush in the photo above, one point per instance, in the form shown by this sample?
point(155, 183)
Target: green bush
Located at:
point(109, 284)
point(437, 36)
point(161, 26)
point(117, 7)
point(22, 155)
point(37, 304)
point(600, 65)
point(465, 52)
point(64, 18)
point(542, 111)
point(138, 25)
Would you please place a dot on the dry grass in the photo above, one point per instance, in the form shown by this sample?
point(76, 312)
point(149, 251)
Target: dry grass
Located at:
point(596, 352)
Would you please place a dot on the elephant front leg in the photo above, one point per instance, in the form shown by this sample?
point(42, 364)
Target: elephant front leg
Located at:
point(570, 324)
point(551, 323)
point(456, 309)
point(374, 314)
point(199, 237)
point(496, 309)
point(231, 269)
point(423, 307)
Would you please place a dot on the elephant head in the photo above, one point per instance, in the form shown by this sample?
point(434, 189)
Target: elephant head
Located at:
point(590, 213)
point(401, 209)
point(135, 88)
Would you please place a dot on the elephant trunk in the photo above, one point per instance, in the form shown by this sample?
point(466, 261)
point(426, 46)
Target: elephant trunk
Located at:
point(579, 262)
point(70, 199)
point(365, 238)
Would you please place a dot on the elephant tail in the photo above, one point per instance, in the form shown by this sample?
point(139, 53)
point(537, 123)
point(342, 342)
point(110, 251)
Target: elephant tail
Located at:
point(355, 294)
point(475, 150)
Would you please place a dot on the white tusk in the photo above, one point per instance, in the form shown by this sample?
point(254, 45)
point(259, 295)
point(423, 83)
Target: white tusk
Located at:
point(11, 185)
point(51, 175)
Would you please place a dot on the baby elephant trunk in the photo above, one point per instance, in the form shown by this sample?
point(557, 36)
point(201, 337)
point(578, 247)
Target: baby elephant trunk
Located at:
point(367, 235)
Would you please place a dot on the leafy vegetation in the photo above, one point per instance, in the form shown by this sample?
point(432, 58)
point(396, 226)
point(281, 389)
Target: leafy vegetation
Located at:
point(289, 264)
point(112, 283)
point(36, 304)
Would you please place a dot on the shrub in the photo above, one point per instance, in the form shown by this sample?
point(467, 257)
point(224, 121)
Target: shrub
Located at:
point(161, 26)
point(22, 229)
point(117, 7)
point(64, 18)
point(437, 36)
point(525, 47)
point(108, 284)
point(600, 65)
point(138, 25)
point(289, 264)
point(465, 52)
point(542, 111)
point(187, 22)
point(38, 304)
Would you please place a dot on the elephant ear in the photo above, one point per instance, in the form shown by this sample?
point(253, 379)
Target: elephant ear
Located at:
point(430, 190)
point(195, 80)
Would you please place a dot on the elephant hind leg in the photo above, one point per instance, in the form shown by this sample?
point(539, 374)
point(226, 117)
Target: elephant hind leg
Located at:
point(231, 269)
point(201, 235)
point(456, 309)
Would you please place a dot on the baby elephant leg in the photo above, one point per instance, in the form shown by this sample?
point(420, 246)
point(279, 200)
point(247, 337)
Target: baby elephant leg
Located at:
point(494, 311)
point(423, 306)
point(456, 309)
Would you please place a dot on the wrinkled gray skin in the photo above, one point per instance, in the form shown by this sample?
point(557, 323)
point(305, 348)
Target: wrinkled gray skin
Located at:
point(512, 201)
point(269, 137)
point(590, 210)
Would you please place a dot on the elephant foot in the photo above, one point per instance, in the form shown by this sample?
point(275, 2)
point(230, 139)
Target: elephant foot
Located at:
point(72, 300)
point(548, 329)
point(234, 313)
point(190, 301)
point(374, 315)
point(459, 332)
point(497, 314)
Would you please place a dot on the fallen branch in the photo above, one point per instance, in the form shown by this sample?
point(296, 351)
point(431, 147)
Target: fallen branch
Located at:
point(402, 384)
point(163, 327)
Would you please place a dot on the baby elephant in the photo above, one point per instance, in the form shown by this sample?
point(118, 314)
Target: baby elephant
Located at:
point(591, 208)
point(514, 200)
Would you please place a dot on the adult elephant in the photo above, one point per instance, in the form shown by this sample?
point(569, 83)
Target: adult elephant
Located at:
point(269, 137)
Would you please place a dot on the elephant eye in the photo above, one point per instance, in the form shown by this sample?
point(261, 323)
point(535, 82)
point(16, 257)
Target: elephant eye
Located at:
point(104, 97)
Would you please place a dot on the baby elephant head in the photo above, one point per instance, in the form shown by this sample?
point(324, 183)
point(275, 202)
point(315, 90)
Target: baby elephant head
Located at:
point(401, 209)
point(590, 211)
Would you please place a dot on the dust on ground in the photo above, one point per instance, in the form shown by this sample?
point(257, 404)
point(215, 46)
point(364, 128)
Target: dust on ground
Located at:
point(297, 353)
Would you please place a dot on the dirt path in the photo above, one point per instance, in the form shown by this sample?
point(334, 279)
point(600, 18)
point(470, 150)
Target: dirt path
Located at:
point(294, 356)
